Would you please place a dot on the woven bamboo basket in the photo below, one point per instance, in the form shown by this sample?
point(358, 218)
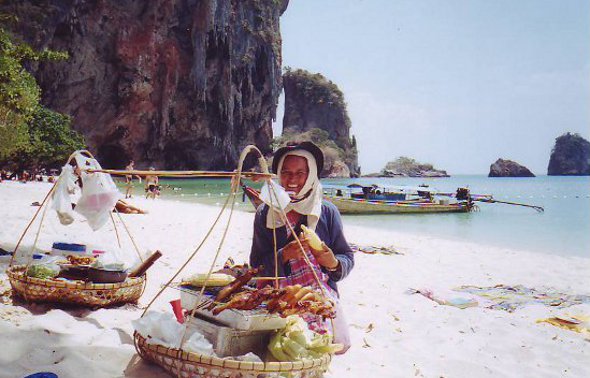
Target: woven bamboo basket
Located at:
point(193, 365)
point(74, 292)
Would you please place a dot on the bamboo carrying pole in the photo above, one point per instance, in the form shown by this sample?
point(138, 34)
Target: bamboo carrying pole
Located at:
point(182, 173)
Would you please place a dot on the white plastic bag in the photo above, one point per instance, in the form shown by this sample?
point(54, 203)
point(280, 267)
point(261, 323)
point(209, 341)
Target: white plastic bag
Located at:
point(159, 328)
point(62, 203)
point(199, 344)
point(268, 196)
point(99, 194)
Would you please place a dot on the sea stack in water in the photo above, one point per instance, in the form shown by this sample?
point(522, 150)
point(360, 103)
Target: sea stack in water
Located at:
point(408, 167)
point(570, 156)
point(509, 168)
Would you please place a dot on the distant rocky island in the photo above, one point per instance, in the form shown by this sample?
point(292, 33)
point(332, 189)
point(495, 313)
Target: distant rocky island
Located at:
point(509, 168)
point(407, 167)
point(570, 156)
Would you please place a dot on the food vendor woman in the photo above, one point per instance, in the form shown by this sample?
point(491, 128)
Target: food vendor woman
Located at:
point(298, 167)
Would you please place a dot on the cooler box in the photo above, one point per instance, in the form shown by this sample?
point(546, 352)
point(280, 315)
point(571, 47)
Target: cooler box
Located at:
point(247, 320)
point(228, 341)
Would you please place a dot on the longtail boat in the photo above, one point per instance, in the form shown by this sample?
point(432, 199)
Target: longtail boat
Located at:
point(357, 199)
point(363, 206)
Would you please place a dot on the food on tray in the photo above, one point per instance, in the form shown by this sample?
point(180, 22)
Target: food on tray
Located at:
point(246, 300)
point(234, 286)
point(80, 260)
point(43, 271)
point(215, 279)
point(295, 342)
point(290, 300)
point(312, 238)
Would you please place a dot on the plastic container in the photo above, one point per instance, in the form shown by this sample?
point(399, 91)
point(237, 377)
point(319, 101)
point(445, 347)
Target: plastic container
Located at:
point(228, 341)
point(64, 249)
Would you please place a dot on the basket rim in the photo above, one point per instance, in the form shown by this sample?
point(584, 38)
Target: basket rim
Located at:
point(17, 272)
point(228, 363)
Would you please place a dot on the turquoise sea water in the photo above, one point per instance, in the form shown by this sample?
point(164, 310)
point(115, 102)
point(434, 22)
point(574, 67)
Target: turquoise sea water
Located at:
point(563, 229)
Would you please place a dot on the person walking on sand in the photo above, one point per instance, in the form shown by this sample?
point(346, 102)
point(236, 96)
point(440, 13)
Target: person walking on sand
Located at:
point(129, 180)
point(298, 167)
point(151, 184)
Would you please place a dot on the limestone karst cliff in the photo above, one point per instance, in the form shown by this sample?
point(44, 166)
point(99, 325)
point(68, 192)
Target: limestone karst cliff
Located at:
point(314, 102)
point(570, 156)
point(171, 83)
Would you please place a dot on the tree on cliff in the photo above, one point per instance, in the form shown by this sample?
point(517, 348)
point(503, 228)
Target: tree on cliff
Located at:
point(334, 156)
point(27, 129)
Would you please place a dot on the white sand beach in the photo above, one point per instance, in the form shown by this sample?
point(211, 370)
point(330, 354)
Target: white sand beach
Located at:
point(394, 334)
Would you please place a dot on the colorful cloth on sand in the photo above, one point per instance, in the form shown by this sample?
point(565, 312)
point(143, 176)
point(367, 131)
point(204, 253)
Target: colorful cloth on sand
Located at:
point(374, 250)
point(447, 298)
point(576, 323)
point(510, 298)
point(500, 297)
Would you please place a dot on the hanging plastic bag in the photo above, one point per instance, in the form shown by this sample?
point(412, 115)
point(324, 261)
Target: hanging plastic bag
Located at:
point(99, 194)
point(62, 203)
point(280, 200)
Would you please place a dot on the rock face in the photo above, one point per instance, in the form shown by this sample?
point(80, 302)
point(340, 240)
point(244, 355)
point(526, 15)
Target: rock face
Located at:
point(570, 156)
point(178, 84)
point(509, 168)
point(408, 167)
point(314, 102)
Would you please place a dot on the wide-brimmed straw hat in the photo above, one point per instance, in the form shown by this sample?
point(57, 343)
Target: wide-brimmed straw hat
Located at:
point(307, 146)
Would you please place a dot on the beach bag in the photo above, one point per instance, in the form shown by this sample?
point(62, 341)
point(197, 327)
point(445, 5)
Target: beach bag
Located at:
point(62, 202)
point(99, 194)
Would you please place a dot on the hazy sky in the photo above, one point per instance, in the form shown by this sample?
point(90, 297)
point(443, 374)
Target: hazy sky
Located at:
point(457, 84)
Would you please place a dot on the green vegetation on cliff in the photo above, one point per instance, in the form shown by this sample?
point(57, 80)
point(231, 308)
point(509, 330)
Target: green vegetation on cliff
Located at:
point(333, 155)
point(30, 135)
point(316, 88)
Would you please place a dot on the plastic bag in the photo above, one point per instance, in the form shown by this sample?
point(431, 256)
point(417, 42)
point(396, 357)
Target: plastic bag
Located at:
point(267, 195)
point(62, 202)
point(44, 268)
point(159, 328)
point(99, 194)
point(199, 344)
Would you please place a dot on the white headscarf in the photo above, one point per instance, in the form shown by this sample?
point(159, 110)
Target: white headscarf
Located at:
point(310, 205)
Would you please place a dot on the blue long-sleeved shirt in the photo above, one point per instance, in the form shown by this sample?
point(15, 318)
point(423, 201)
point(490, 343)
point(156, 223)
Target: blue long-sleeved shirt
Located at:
point(329, 229)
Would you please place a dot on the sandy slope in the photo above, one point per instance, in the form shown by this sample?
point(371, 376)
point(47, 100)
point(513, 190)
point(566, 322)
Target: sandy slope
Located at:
point(394, 334)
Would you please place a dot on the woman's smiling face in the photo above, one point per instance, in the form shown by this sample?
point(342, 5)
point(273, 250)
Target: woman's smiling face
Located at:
point(293, 174)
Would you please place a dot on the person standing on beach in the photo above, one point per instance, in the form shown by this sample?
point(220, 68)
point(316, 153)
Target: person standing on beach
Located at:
point(129, 180)
point(298, 167)
point(151, 184)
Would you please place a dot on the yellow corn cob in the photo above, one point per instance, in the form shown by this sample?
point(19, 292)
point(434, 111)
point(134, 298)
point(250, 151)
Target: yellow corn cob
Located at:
point(215, 279)
point(313, 239)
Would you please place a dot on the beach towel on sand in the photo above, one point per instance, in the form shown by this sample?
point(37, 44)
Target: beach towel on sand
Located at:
point(500, 297)
point(447, 297)
point(576, 323)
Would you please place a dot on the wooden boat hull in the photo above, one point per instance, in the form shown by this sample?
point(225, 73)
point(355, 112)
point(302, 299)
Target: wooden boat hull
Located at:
point(352, 206)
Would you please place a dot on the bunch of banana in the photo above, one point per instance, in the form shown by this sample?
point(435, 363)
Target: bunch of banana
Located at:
point(295, 342)
point(214, 280)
